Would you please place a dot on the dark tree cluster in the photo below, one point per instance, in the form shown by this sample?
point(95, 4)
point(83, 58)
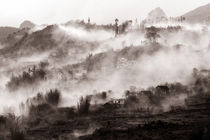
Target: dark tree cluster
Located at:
point(84, 105)
point(153, 96)
point(11, 127)
point(26, 78)
point(42, 104)
point(152, 34)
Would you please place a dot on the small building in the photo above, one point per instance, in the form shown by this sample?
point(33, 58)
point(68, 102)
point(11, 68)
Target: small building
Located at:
point(116, 102)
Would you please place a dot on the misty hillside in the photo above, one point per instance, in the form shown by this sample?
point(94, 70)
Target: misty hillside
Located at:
point(126, 80)
point(51, 40)
point(199, 15)
point(26, 42)
point(14, 37)
point(10, 32)
point(5, 31)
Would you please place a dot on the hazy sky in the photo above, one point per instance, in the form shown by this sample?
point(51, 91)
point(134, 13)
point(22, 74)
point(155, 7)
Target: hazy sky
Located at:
point(13, 12)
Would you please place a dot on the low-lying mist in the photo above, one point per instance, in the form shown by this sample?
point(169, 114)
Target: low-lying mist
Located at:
point(85, 60)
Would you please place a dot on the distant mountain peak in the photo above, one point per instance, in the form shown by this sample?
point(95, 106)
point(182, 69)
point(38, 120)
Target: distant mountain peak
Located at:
point(26, 24)
point(156, 15)
point(158, 8)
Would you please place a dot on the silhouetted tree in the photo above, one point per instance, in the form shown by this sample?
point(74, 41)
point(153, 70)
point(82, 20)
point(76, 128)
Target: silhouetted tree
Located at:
point(83, 105)
point(53, 97)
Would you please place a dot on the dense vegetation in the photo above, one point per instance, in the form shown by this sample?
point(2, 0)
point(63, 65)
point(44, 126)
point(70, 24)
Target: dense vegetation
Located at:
point(32, 76)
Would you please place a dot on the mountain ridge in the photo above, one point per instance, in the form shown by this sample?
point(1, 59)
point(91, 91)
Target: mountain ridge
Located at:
point(198, 15)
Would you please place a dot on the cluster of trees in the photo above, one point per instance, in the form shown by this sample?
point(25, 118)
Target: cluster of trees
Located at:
point(12, 127)
point(41, 104)
point(26, 78)
point(89, 26)
point(84, 104)
point(178, 19)
point(199, 86)
point(173, 28)
point(152, 33)
point(153, 96)
point(122, 28)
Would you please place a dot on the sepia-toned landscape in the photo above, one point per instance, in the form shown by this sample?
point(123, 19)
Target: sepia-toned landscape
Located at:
point(145, 79)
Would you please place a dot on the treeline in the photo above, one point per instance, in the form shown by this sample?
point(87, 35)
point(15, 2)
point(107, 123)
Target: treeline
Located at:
point(152, 33)
point(27, 78)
